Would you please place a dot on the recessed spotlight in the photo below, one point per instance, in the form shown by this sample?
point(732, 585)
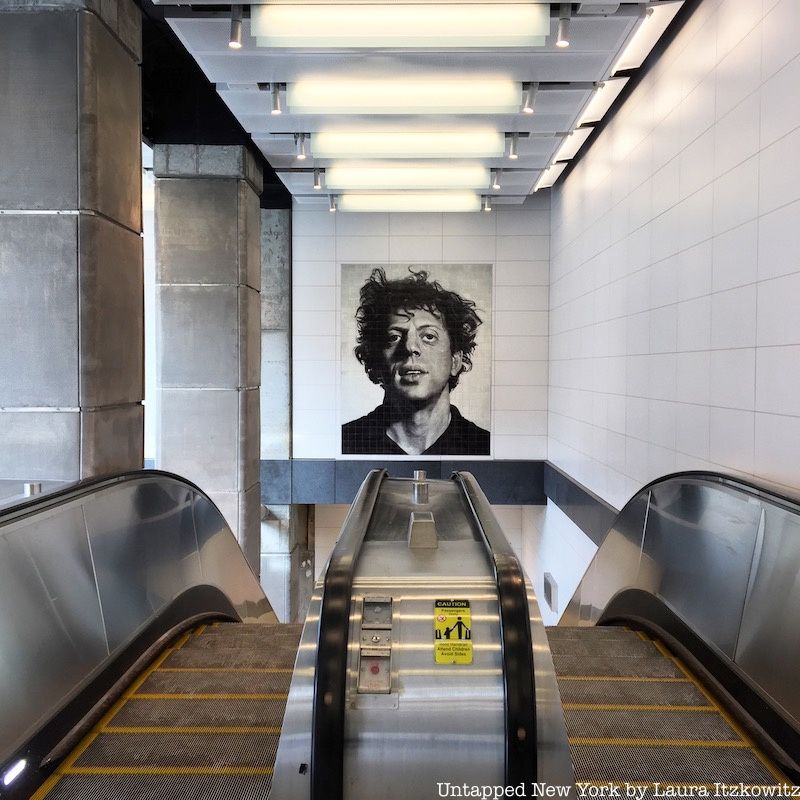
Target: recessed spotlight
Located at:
point(513, 146)
point(562, 40)
point(275, 88)
point(235, 39)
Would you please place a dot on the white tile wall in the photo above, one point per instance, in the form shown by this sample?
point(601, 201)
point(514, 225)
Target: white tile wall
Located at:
point(697, 221)
point(515, 239)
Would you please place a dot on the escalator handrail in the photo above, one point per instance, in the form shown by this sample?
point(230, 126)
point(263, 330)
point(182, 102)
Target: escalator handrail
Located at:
point(74, 491)
point(515, 638)
point(330, 674)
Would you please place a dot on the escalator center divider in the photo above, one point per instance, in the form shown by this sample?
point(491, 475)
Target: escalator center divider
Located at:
point(515, 639)
point(330, 675)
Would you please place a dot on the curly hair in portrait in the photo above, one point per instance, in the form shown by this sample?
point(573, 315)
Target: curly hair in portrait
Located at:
point(381, 297)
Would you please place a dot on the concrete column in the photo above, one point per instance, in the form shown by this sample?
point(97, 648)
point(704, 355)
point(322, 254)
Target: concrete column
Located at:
point(208, 275)
point(286, 558)
point(71, 307)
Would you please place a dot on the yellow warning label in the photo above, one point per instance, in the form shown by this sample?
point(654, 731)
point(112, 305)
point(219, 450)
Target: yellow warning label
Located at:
point(452, 632)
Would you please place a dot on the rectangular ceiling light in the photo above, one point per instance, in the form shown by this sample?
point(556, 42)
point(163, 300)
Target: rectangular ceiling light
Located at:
point(572, 143)
point(650, 29)
point(603, 98)
point(406, 201)
point(479, 143)
point(550, 176)
point(404, 96)
point(362, 177)
point(374, 25)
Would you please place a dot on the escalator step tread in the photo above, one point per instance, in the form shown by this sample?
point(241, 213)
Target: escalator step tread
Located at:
point(163, 750)
point(645, 693)
point(195, 682)
point(707, 726)
point(276, 655)
point(206, 713)
point(627, 648)
point(163, 787)
point(604, 666)
point(591, 632)
point(701, 765)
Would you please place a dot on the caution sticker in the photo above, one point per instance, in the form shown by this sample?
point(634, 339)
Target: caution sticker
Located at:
point(452, 632)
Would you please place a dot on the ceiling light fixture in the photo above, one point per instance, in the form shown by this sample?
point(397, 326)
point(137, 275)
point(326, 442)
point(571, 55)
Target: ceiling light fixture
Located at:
point(572, 143)
point(497, 174)
point(300, 145)
point(564, 14)
point(411, 202)
point(381, 25)
point(275, 88)
point(653, 24)
point(379, 176)
point(474, 143)
point(513, 146)
point(317, 179)
point(235, 40)
point(487, 203)
point(13, 772)
point(550, 175)
point(529, 97)
point(331, 203)
point(603, 98)
point(313, 95)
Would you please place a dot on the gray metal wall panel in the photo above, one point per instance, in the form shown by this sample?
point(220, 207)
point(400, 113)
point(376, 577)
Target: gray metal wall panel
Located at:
point(199, 336)
point(769, 640)
point(249, 338)
point(200, 436)
point(249, 237)
point(40, 445)
point(697, 553)
point(38, 311)
point(275, 395)
point(250, 526)
point(196, 231)
point(39, 141)
point(249, 423)
point(110, 126)
point(112, 314)
point(112, 440)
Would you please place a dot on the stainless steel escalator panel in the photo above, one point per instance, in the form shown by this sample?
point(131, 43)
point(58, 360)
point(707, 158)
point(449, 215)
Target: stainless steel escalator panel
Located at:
point(769, 641)
point(698, 549)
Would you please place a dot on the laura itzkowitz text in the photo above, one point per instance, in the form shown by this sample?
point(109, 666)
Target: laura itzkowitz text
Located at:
point(621, 790)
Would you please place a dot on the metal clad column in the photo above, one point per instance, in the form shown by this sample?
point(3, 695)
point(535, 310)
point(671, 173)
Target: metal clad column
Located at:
point(208, 270)
point(71, 307)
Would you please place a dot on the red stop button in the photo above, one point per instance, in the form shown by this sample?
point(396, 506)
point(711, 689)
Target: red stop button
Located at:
point(375, 669)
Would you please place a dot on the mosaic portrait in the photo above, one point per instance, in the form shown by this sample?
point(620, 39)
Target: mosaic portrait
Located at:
point(416, 359)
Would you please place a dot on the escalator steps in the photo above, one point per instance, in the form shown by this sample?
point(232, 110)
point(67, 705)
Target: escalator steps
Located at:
point(211, 751)
point(204, 723)
point(633, 692)
point(705, 726)
point(216, 682)
point(162, 787)
point(634, 716)
point(251, 712)
point(611, 666)
point(695, 765)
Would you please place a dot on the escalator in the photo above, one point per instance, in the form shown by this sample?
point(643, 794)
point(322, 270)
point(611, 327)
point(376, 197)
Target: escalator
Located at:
point(423, 668)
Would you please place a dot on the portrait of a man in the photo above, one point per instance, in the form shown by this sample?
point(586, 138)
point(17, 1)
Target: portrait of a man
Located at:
point(416, 340)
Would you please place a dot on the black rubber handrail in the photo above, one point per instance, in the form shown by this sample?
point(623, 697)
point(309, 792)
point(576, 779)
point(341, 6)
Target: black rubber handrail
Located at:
point(330, 675)
point(515, 640)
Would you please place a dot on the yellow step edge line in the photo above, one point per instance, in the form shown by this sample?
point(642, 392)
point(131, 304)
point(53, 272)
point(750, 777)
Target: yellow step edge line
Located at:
point(630, 678)
point(212, 696)
point(735, 744)
point(200, 630)
point(193, 729)
point(266, 670)
point(169, 771)
point(66, 765)
point(633, 707)
point(737, 729)
point(643, 636)
point(182, 641)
